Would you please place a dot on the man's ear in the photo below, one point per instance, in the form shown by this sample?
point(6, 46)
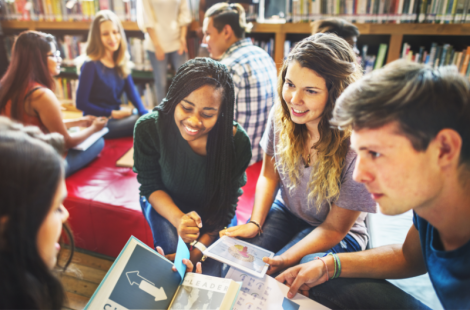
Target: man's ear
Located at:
point(227, 32)
point(449, 144)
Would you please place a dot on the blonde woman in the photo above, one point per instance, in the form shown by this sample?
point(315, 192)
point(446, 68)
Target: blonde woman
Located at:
point(105, 76)
point(319, 207)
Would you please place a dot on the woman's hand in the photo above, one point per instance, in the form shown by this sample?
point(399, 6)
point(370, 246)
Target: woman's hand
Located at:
point(187, 262)
point(183, 46)
point(189, 225)
point(195, 256)
point(249, 230)
point(99, 123)
point(277, 263)
point(87, 120)
point(123, 113)
point(159, 53)
point(303, 277)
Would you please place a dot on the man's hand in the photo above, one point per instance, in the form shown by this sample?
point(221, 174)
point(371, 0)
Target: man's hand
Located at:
point(187, 262)
point(249, 230)
point(183, 46)
point(189, 225)
point(303, 277)
point(159, 53)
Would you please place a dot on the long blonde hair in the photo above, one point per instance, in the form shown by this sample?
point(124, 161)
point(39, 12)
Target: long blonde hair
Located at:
point(95, 49)
point(333, 59)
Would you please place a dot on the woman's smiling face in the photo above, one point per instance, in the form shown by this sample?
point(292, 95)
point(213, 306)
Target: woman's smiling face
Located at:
point(197, 114)
point(305, 93)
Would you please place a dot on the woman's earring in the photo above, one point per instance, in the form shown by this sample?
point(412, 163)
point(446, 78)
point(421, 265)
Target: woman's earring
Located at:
point(222, 114)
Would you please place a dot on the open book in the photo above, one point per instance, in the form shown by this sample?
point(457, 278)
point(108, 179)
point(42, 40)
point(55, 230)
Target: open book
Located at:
point(140, 278)
point(267, 294)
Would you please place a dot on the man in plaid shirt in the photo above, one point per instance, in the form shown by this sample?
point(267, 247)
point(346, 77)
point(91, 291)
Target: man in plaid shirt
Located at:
point(253, 70)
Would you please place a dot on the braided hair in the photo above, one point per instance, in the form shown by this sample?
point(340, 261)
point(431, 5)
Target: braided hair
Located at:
point(218, 194)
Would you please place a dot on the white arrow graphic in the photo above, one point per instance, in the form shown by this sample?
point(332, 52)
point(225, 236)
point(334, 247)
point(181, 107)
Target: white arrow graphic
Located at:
point(146, 285)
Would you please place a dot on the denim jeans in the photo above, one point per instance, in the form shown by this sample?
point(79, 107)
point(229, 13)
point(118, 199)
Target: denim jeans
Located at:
point(76, 159)
point(119, 128)
point(282, 230)
point(160, 69)
point(344, 293)
point(166, 237)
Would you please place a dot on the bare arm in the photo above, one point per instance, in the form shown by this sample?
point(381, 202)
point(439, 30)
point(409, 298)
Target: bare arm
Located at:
point(335, 227)
point(47, 106)
point(387, 262)
point(266, 189)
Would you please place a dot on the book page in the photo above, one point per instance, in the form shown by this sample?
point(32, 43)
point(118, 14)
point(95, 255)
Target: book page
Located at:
point(91, 139)
point(267, 294)
point(201, 292)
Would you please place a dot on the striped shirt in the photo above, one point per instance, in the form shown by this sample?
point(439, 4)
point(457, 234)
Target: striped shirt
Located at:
point(254, 77)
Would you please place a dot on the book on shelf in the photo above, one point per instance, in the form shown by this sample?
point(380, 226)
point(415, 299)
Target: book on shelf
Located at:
point(267, 46)
point(439, 56)
point(65, 10)
point(380, 11)
point(140, 278)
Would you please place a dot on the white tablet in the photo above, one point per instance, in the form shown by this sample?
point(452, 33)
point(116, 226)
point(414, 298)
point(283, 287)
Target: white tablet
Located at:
point(240, 254)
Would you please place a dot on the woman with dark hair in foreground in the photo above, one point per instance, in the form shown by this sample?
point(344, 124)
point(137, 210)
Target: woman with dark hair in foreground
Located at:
point(31, 217)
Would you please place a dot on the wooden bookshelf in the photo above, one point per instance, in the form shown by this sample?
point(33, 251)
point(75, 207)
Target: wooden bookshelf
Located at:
point(396, 31)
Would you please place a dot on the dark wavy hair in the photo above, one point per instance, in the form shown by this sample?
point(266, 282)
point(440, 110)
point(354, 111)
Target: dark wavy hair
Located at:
point(28, 65)
point(32, 168)
point(220, 147)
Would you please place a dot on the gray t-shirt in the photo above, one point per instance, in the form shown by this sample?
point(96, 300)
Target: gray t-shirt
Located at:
point(352, 196)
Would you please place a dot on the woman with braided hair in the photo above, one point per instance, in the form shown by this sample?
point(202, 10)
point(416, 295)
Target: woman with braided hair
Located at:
point(190, 158)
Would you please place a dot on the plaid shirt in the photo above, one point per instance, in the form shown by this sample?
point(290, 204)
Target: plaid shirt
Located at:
point(254, 77)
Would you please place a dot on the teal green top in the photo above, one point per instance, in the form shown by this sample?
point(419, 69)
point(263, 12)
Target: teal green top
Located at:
point(163, 160)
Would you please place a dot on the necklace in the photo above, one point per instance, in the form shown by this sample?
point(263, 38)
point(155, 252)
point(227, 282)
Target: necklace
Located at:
point(308, 158)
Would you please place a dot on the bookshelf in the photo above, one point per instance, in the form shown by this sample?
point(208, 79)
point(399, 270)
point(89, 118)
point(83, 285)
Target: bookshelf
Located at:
point(395, 31)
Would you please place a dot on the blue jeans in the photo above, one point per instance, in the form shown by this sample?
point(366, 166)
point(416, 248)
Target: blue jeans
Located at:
point(282, 230)
point(344, 293)
point(165, 236)
point(76, 160)
point(160, 69)
point(119, 128)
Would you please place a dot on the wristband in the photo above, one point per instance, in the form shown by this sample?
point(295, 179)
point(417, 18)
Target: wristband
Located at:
point(260, 231)
point(201, 247)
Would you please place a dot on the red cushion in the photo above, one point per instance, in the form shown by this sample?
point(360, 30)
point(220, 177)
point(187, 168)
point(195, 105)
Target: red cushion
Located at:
point(103, 201)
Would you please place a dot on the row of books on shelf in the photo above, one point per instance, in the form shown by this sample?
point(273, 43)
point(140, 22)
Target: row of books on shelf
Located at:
point(65, 10)
point(439, 56)
point(267, 46)
point(71, 47)
point(380, 11)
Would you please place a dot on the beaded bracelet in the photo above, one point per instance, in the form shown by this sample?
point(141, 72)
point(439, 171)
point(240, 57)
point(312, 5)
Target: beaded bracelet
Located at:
point(326, 267)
